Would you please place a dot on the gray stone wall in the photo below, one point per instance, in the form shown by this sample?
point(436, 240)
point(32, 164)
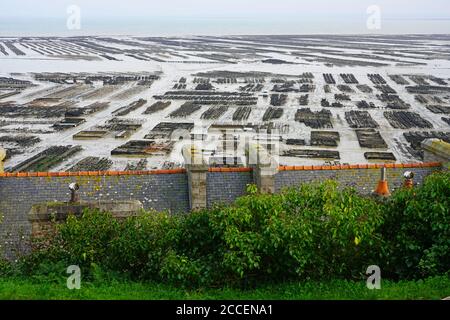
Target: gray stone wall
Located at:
point(225, 187)
point(364, 180)
point(160, 191)
point(18, 194)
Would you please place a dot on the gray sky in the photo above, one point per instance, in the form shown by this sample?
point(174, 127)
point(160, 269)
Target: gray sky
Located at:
point(283, 15)
point(226, 8)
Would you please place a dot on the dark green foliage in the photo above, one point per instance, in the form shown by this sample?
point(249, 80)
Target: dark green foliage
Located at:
point(141, 244)
point(314, 231)
point(21, 288)
point(417, 229)
point(6, 268)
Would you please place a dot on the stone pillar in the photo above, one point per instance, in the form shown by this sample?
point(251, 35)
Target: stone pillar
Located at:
point(197, 169)
point(2, 157)
point(436, 150)
point(265, 167)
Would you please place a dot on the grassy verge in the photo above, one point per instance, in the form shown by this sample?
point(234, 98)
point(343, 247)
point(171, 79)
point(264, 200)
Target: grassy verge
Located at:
point(432, 288)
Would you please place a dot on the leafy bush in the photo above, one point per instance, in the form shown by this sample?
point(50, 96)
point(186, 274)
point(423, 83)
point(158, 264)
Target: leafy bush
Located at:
point(336, 230)
point(6, 267)
point(87, 240)
point(417, 229)
point(141, 244)
point(312, 231)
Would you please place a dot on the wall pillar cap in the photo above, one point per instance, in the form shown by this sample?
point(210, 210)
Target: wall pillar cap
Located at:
point(437, 147)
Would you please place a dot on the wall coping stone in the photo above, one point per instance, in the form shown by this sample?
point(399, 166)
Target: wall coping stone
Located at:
point(182, 170)
point(230, 169)
point(361, 166)
point(90, 173)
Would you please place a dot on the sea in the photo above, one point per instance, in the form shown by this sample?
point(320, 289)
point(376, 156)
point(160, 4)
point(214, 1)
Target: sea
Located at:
point(166, 26)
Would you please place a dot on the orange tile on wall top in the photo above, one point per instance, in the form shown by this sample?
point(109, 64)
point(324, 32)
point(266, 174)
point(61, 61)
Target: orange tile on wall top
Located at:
point(244, 169)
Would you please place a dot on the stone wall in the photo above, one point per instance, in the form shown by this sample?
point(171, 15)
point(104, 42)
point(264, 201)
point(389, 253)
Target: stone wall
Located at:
point(226, 186)
point(168, 189)
point(158, 190)
point(362, 178)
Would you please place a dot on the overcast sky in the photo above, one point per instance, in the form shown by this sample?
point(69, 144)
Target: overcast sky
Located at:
point(296, 12)
point(227, 8)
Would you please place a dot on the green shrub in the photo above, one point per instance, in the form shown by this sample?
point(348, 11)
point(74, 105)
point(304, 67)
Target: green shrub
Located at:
point(336, 228)
point(80, 241)
point(142, 244)
point(417, 229)
point(6, 267)
point(313, 231)
point(180, 270)
point(86, 241)
point(197, 238)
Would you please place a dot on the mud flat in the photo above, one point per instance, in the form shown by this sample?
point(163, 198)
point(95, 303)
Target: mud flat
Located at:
point(90, 135)
point(406, 120)
point(101, 92)
point(360, 119)
point(316, 120)
point(47, 159)
point(141, 148)
point(92, 164)
point(272, 114)
point(185, 110)
point(214, 113)
point(325, 138)
point(315, 154)
point(157, 106)
point(123, 111)
point(89, 92)
point(242, 114)
point(139, 165)
point(166, 130)
point(129, 93)
point(385, 156)
point(370, 138)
